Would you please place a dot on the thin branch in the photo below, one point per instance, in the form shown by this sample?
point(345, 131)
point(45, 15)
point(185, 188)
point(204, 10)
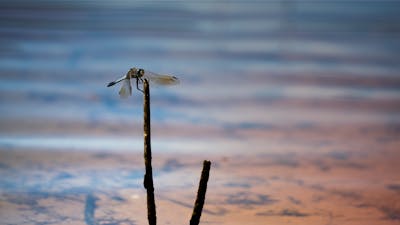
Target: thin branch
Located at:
point(148, 177)
point(201, 194)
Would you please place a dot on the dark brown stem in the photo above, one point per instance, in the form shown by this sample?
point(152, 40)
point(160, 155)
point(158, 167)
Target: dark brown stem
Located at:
point(201, 194)
point(148, 177)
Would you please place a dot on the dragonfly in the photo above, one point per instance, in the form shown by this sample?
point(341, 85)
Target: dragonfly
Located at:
point(139, 75)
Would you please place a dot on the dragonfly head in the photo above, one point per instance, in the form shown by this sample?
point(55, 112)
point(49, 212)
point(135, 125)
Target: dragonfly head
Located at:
point(140, 73)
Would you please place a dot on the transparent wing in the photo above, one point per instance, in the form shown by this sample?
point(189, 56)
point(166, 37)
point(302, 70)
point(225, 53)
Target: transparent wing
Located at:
point(161, 79)
point(126, 89)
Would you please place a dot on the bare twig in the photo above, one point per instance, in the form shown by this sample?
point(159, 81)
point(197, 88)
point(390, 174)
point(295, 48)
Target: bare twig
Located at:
point(201, 194)
point(148, 177)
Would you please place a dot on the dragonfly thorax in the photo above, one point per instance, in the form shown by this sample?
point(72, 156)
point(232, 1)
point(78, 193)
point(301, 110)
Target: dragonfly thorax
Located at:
point(135, 73)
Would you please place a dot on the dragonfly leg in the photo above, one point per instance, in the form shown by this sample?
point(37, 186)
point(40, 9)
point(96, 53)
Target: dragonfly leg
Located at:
point(137, 84)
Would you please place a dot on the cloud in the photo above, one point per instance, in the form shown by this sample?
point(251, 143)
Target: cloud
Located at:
point(391, 213)
point(284, 212)
point(322, 165)
point(171, 164)
point(237, 184)
point(219, 211)
point(347, 194)
point(294, 200)
point(394, 187)
point(63, 175)
point(339, 155)
point(248, 199)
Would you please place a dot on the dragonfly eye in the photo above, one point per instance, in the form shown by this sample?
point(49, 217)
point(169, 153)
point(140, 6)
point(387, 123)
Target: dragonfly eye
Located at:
point(141, 72)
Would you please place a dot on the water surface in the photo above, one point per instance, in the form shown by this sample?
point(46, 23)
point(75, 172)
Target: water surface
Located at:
point(296, 102)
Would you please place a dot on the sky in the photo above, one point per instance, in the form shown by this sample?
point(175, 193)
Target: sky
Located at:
point(306, 89)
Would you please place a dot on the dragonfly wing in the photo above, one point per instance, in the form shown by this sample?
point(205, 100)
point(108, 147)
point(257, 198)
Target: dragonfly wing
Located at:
point(126, 89)
point(161, 79)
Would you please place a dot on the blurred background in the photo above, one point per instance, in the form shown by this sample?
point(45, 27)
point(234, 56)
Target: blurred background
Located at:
point(291, 80)
point(242, 66)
